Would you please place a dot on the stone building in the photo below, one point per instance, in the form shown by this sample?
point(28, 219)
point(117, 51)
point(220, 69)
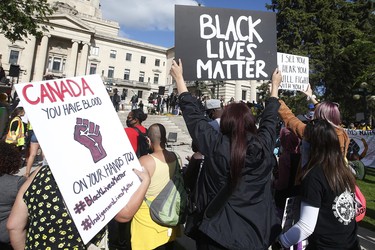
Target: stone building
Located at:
point(81, 42)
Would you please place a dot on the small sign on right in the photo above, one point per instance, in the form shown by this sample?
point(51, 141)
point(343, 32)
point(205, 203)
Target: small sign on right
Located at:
point(294, 70)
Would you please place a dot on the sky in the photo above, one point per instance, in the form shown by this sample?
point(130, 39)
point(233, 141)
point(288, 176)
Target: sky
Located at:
point(152, 21)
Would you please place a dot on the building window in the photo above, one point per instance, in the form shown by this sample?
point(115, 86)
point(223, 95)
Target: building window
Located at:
point(13, 57)
point(244, 95)
point(156, 78)
point(143, 59)
point(111, 71)
point(141, 76)
point(113, 54)
point(157, 62)
point(128, 56)
point(140, 94)
point(56, 64)
point(94, 51)
point(93, 67)
point(126, 74)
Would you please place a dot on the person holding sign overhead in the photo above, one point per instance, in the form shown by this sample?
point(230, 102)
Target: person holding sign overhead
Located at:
point(238, 164)
point(326, 110)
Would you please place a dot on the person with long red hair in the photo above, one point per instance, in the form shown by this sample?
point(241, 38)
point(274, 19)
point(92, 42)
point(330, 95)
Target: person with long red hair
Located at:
point(238, 161)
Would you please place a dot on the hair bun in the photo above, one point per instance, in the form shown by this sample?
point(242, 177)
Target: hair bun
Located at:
point(139, 114)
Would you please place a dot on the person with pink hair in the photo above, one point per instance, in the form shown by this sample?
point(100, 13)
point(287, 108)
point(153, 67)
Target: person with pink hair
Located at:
point(327, 110)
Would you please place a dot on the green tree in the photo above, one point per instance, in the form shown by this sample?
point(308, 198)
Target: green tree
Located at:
point(338, 38)
point(21, 18)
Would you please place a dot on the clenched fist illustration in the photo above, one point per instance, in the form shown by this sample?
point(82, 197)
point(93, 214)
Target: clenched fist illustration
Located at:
point(88, 134)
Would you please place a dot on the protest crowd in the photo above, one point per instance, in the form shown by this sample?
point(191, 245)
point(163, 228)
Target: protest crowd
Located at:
point(234, 172)
point(258, 177)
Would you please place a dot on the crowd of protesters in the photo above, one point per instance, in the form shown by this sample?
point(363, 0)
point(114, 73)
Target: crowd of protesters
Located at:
point(241, 184)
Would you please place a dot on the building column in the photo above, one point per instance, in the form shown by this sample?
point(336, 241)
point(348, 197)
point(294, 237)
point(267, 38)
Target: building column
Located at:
point(28, 67)
point(72, 63)
point(253, 90)
point(41, 58)
point(238, 91)
point(82, 67)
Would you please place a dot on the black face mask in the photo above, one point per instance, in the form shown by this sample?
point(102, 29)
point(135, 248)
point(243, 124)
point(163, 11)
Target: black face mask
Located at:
point(129, 122)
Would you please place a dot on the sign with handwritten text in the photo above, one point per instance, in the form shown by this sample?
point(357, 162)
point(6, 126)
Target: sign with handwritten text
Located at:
point(85, 145)
point(294, 70)
point(225, 44)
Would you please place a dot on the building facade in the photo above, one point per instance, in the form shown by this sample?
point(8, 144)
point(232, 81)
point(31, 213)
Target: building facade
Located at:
point(81, 42)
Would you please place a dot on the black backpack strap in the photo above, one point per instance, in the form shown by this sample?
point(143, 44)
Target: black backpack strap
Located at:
point(139, 131)
point(139, 152)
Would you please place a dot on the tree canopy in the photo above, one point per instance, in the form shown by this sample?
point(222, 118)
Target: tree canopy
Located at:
point(21, 18)
point(338, 38)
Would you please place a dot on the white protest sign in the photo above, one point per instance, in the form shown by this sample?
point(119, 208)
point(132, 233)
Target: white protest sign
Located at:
point(85, 145)
point(294, 70)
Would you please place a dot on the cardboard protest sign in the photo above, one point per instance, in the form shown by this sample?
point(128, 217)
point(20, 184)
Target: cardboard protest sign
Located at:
point(294, 70)
point(363, 143)
point(85, 145)
point(225, 44)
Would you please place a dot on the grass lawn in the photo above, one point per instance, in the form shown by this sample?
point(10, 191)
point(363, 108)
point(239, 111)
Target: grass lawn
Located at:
point(367, 187)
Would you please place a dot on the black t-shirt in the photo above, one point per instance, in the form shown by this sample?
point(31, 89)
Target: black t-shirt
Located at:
point(336, 227)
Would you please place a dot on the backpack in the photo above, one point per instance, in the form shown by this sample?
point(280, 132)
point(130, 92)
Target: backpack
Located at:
point(169, 207)
point(199, 205)
point(196, 204)
point(143, 148)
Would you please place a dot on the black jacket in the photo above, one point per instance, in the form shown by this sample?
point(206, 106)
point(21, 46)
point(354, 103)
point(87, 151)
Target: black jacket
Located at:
point(247, 219)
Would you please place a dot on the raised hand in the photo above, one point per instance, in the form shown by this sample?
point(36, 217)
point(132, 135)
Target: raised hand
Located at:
point(308, 91)
point(88, 134)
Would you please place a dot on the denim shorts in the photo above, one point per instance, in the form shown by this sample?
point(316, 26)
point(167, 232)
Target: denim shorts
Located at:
point(33, 137)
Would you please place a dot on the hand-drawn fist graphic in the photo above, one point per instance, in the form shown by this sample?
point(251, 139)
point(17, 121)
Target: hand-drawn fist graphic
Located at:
point(87, 133)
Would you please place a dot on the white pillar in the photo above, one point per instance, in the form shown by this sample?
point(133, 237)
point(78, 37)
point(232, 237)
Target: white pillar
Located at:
point(28, 65)
point(238, 91)
point(41, 58)
point(72, 63)
point(253, 90)
point(82, 67)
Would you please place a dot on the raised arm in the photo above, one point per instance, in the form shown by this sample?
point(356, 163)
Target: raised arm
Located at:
point(196, 121)
point(176, 73)
point(275, 83)
point(267, 125)
point(310, 95)
point(127, 213)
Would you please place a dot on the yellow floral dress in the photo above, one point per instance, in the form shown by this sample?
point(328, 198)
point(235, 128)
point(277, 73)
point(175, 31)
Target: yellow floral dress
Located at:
point(50, 224)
